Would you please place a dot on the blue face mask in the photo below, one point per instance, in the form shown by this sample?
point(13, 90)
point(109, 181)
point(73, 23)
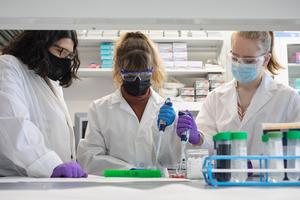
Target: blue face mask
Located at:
point(244, 73)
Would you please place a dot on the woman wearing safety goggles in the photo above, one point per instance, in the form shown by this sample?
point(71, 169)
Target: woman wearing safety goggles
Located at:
point(253, 97)
point(123, 127)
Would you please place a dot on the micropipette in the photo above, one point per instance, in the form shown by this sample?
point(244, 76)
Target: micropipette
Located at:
point(162, 127)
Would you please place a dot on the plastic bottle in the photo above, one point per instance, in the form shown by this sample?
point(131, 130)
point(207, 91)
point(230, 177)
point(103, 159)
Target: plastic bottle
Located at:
point(195, 158)
point(275, 148)
point(293, 137)
point(223, 147)
point(239, 148)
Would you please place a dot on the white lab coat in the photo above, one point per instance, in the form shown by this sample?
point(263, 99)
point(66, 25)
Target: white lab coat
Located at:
point(115, 139)
point(35, 127)
point(273, 102)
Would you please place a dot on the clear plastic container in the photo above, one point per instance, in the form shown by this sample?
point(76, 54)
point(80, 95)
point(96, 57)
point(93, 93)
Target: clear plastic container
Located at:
point(275, 148)
point(194, 162)
point(239, 148)
point(223, 147)
point(293, 137)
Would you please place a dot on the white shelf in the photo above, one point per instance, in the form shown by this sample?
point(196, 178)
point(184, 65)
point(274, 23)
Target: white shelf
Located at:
point(294, 65)
point(98, 72)
point(203, 41)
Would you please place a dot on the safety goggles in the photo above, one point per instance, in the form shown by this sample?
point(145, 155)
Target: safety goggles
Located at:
point(131, 76)
point(246, 60)
point(64, 53)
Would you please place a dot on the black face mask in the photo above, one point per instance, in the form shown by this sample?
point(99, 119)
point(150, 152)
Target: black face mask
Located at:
point(136, 88)
point(59, 67)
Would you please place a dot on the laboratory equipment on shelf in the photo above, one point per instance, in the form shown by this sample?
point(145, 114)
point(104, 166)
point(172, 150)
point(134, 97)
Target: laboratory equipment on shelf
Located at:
point(275, 148)
point(222, 142)
point(239, 148)
point(293, 137)
point(162, 126)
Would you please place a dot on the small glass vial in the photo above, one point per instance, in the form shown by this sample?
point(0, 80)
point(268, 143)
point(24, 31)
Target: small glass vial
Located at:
point(223, 148)
point(293, 149)
point(194, 162)
point(275, 148)
point(239, 148)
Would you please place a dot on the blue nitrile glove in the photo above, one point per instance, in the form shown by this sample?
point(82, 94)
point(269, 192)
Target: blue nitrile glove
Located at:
point(166, 114)
point(69, 170)
point(187, 122)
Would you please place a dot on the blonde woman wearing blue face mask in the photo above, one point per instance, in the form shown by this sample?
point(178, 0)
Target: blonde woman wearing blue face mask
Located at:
point(253, 97)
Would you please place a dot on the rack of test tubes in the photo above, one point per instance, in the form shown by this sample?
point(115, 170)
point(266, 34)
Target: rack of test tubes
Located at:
point(278, 166)
point(267, 173)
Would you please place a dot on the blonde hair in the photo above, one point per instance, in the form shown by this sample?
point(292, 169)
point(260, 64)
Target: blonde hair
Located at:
point(135, 51)
point(266, 38)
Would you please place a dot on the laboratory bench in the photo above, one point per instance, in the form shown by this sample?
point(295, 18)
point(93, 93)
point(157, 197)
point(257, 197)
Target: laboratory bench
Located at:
point(97, 187)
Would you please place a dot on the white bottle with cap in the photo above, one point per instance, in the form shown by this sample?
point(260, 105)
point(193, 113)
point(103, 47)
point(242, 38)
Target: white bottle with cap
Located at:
point(293, 137)
point(275, 148)
point(239, 148)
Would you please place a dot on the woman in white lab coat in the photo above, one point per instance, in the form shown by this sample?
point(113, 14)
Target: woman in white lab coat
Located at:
point(36, 136)
point(253, 97)
point(122, 130)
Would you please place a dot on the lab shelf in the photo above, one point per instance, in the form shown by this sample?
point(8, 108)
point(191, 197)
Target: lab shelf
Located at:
point(100, 72)
point(213, 42)
point(294, 65)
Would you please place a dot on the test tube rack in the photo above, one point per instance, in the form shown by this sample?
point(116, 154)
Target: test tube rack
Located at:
point(209, 170)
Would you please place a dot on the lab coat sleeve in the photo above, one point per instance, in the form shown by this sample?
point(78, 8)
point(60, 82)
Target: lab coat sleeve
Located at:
point(20, 139)
point(206, 121)
point(92, 150)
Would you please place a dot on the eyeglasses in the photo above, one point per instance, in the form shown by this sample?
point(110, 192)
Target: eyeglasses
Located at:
point(246, 60)
point(131, 76)
point(64, 53)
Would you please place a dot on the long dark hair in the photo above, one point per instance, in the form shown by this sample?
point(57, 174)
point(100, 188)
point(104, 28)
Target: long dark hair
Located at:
point(31, 47)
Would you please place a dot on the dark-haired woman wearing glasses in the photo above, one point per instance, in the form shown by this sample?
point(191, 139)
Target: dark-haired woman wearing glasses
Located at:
point(36, 136)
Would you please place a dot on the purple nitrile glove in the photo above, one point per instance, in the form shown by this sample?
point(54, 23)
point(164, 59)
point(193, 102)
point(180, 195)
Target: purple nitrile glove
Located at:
point(186, 122)
point(69, 170)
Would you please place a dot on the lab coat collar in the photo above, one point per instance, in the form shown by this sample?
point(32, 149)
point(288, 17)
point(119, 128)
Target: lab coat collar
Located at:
point(262, 95)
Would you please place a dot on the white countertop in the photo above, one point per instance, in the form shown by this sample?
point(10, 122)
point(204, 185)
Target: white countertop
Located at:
point(101, 188)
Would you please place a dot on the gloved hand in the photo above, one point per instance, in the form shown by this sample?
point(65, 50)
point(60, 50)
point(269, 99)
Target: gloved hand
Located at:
point(186, 122)
point(166, 114)
point(69, 170)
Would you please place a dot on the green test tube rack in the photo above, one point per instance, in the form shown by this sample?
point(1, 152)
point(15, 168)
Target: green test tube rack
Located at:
point(138, 173)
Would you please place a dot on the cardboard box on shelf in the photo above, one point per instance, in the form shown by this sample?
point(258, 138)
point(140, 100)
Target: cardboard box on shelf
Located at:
point(187, 91)
point(164, 47)
point(180, 56)
point(171, 33)
point(179, 47)
point(215, 77)
point(202, 84)
point(201, 92)
point(166, 56)
point(110, 33)
point(188, 98)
